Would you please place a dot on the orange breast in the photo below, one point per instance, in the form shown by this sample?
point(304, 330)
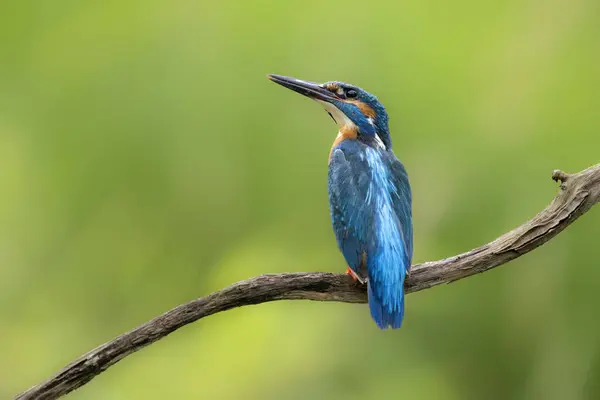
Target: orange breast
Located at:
point(346, 133)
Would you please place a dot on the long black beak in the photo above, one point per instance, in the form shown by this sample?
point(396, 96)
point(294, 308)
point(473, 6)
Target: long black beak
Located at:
point(309, 89)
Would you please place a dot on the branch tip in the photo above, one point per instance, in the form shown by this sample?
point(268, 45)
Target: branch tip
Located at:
point(558, 175)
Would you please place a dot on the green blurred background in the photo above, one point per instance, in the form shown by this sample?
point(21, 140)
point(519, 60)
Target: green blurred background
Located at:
point(145, 161)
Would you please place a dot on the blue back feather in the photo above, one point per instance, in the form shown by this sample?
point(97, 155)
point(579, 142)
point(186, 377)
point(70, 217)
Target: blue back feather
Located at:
point(370, 201)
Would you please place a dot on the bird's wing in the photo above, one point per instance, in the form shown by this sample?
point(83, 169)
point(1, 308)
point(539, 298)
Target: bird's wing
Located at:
point(402, 200)
point(353, 212)
point(349, 179)
point(370, 203)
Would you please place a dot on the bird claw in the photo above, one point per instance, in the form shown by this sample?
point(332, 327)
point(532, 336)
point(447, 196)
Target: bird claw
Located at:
point(354, 276)
point(351, 273)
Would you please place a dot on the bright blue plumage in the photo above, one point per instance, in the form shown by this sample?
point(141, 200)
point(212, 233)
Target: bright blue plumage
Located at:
point(369, 195)
point(370, 203)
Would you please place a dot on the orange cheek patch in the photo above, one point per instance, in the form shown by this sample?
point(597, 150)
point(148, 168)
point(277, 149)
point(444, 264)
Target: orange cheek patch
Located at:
point(364, 108)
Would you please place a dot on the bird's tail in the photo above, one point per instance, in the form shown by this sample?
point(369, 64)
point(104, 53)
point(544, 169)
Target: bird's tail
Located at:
point(383, 315)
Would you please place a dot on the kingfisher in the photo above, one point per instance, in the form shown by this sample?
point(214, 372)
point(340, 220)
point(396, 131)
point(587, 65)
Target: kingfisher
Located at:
point(370, 198)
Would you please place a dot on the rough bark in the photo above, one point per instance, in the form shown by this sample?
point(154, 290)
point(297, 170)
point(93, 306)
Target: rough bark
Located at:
point(577, 194)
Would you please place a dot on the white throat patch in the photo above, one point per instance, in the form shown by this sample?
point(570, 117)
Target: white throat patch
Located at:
point(340, 118)
point(344, 122)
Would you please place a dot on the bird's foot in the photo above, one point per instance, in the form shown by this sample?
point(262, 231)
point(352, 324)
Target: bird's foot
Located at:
point(353, 275)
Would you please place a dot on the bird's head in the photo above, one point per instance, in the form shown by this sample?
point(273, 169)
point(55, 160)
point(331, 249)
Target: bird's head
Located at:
point(356, 112)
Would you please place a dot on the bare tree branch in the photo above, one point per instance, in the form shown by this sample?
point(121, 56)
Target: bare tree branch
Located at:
point(578, 193)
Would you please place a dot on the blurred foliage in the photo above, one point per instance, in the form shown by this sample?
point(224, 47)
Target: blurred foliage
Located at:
point(145, 161)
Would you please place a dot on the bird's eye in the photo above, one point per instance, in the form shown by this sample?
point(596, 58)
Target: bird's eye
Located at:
point(351, 93)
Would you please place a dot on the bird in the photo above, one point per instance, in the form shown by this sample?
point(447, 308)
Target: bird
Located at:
point(370, 198)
